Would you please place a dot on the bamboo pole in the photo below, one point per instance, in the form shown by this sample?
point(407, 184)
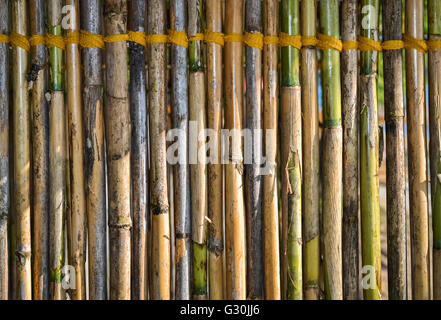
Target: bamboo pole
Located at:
point(215, 172)
point(270, 125)
point(21, 141)
point(332, 154)
point(369, 156)
point(417, 153)
point(138, 164)
point(4, 152)
point(395, 167)
point(91, 21)
point(159, 205)
point(291, 155)
point(311, 156)
point(198, 168)
point(253, 179)
point(76, 151)
point(434, 15)
point(349, 74)
point(117, 122)
point(234, 200)
point(57, 154)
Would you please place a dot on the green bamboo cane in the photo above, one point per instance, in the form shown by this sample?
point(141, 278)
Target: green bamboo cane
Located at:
point(434, 11)
point(369, 188)
point(332, 154)
point(291, 145)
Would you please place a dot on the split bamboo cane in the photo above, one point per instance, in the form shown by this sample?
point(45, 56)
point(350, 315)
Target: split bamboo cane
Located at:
point(253, 179)
point(215, 172)
point(91, 21)
point(332, 154)
point(434, 14)
point(159, 207)
point(416, 123)
point(4, 152)
point(311, 156)
point(395, 167)
point(234, 200)
point(117, 122)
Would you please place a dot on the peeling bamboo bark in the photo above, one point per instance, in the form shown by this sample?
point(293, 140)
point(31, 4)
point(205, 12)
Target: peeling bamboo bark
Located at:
point(117, 122)
point(350, 152)
point(270, 125)
point(332, 155)
point(434, 12)
point(76, 152)
point(234, 200)
point(395, 167)
point(21, 141)
point(253, 179)
point(159, 204)
point(4, 153)
point(215, 172)
point(311, 156)
point(198, 168)
point(416, 122)
point(138, 164)
point(91, 21)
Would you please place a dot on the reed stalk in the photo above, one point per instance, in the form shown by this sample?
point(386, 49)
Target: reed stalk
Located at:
point(253, 178)
point(332, 155)
point(311, 156)
point(434, 15)
point(91, 21)
point(417, 165)
point(215, 173)
point(159, 204)
point(395, 166)
point(235, 233)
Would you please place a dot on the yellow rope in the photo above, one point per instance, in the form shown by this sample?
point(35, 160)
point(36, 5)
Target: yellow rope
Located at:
point(156, 38)
point(37, 39)
point(215, 37)
point(434, 44)
point(413, 43)
point(138, 37)
point(91, 40)
point(197, 37)
point(55, 41)
point(393, 44)
point(309, 41)
point(178, 37)
point(4, 38)
point(350, 45)
point(326, 42)
point(286, 40)
point(72, 38)
point(267, 40)
point(116, 38)
point(254, 40)
point(367, 44)
point(233, 37)
point(19, 40)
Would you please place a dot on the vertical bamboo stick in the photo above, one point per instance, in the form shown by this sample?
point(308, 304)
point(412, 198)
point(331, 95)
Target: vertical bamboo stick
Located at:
point(57, 154)
point(181, 181)
point(159, 207)
point(117, 121)
point(197, 114)
point(395, 169)
point(369, 157)
point(417, 153)
point(291, 154)
point(4, 152)
point(215, 172)
point(332, 154)
point(253, 179)
point(76, 151)
point(21, 141)
point(311, 156)
point(234, 200)
point(434, 11)
point(91, 21)
point(138, 164)
point(349, 70)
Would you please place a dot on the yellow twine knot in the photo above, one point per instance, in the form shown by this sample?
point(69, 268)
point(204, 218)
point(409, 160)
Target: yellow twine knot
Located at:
point(254, 40)
point(178, 37)
point(367, 44)
point(19, 40)
point(215, 37)
point(138, 37)
point(91, 40)
point(326, 42)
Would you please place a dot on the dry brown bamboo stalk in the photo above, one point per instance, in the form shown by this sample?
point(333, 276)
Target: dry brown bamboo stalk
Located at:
point(234, 200)
point(159, 204)
point(417, 153)
point(117, 121)
point(76, 155)
point(270, 114)
point(21, 140)
point(215, 172)
point(4, 152)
